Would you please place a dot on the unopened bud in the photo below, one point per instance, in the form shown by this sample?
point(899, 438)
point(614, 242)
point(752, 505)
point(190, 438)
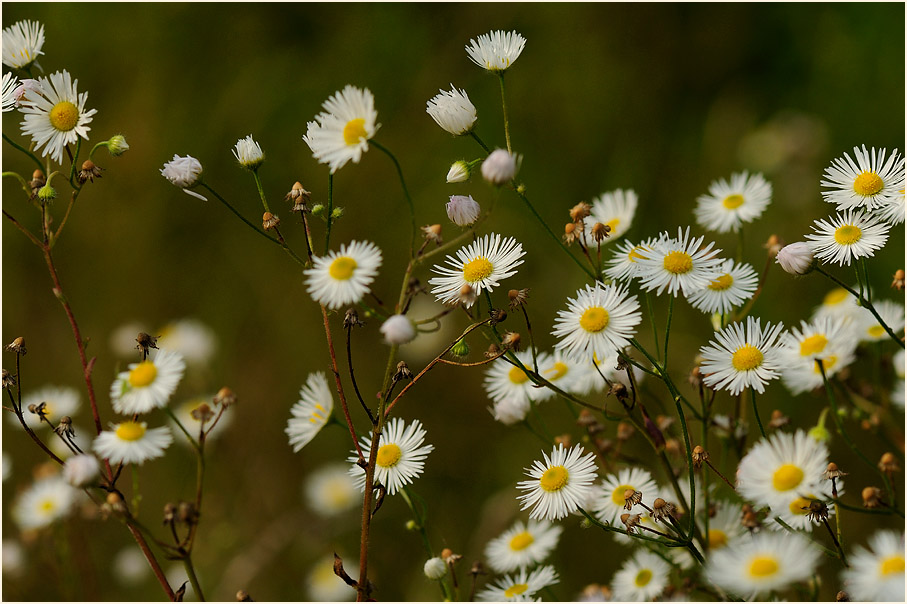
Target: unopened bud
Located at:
point(117, 145)
point(47, 193)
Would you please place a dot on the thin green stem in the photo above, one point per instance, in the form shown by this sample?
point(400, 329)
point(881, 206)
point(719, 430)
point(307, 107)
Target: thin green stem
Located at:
point(261, 191)
point(740, 242)
point(651, 311)
point(193, 579)
point(330, 213)
point(866, 304)
point(21, 180)
point(506, 119)
point(33, 157)
point(866, 279)
point(664, 365)
point(75, 159)
point(475, 136)
point(409, 199)
point(756, 412)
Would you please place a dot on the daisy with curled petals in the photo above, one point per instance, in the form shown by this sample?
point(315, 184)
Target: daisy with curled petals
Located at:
point(642, 578)
point(559, 485)
point(522, 546)
point(453, 111)
point(132, 442)
point(147, 385)
point(734, 285)
point(615, 210)
point(609, 501)
point(311, 412)
point(868, 328)
point(497, 50)
point(342, 131)
point(10, 83)
point(766, 562)
point(343, 277)
point(43, 503)
point(22, 42)
point(510, 410)
point(742, 357)
point(481, 265)
point(624, 264)
point(828, 339)
point(876, 574)
point(401, 456)
point(504, 381)
point(847, 237)
point(869, 182)
point(782, 465)
point(677, 264)
point(56, 116)
point(519, 588)
point(729, 204)
point(599, 321)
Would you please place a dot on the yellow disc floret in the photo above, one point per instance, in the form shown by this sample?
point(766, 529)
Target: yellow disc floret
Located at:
point(763, 566)
point(557, 372)
point(554, 478)
point(848, 234)
point(354, 131)
point(868, 184)
point(594, 319)
point(747, 357)
point(733, 201)
point(517, 375)
point(717, 538)
point(891, 565)
point(799, 506)
point(389, 455)
point(814, 344)
point(617, 495)
point(787, 477)
point(130, 431)
point(342, 268)
point(521, 541)
point(722, 283)
point(64, 116)
point(516, 590)
point(835, 296)
point(143, 374)
point(477, 269)
point(678, 263)
point(643, 577)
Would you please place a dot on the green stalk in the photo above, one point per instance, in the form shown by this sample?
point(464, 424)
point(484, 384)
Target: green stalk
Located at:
point(506, 119)
point(33, 157)
point(409, 199)
point(756, 411)
point(330, 215)
point(866, 304)
point(261, 191)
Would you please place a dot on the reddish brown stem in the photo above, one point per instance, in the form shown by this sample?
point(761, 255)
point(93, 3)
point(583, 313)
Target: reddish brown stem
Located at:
point(346, 410)
point(152, 561)
point(362, 588)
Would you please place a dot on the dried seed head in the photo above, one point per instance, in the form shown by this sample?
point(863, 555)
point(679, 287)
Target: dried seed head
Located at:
point(269, 221)
point(773, 245)
point(114, 499)
point(186, 513)
point(351, 319)
point(888, 463)
point(570, 233)
point(631, 521)
point(64, 428)
point(518, 297)
point(225, 397)
point(600, 232)
point(662, 509)
point(432, 232)
point(492, 351)
point(750, 520)
point(169, 513)
point(898, 281)
point(580, 211)
point(700, 456)
point(89, 172)
point(619, 390)
point(586, 418)
point(631, 498)
point(596, 593)
point(242, 595)
point(511, 341)
point(872, 497)
point(403, 372)
point(497, 315)
point(778, 419)
point(145, 342)
point(477, 568)
point(40, 409)
point(18, 346)
point(817, 511)
point(832, 471)
point(446, 553)
point(202, 413)
point(298, 195)
point(564, 439)
point(624, 431)
point(672, 446)
point(467, 295)
point(842, 596)
point(9, 380)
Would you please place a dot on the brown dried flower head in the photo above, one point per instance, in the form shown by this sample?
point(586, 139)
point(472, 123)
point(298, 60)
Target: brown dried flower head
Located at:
point(773, 245)
point(432, 232)
point(898, 281)
point(225, 397)
point(888, 463)
point(631, 498)
point(872, 497)
point(569, 233)
point(518, 297)
point(145, 342)
point(600, 232)
point(89, 172)
point(18, 346)
point(202, 413)
point(511, 341)
point(580, 211)
point(832, 471)
point(269, 221)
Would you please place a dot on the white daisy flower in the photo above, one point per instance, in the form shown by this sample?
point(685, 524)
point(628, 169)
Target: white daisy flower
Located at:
point(677, 264)
point(729, 204)
point(725, 527)
point(877, 574)
point(735, 284)
point(452, 111)
point(185, 173)
point(641, 578)
point(519, 588)
point(56, 117)
point(343, 277)
point(795, 511)
point(496, 50)
point(331, 491)
point(190, 337)
point(869, 329)
point(10, 83)
point(500, 167)
point(828, 339)
point(324, 586)
point(624, 264)
point(609, 502)
point(14, 558)
point(311, 412)
point(401, 456)
point(782, 465)
point(565, 373)
point(504, 381)
point(510, 410)
point(147, 385)
point(248, 153)
point(58, 401)
point(559, 485)
point(868, 183)
point(615, 210)
point(341, 133)
point(184, 411)
point(522, 546)
point(742, 357)
point(838, 303)
point(847, 237)
point(22, 42)
point(81, 470)
point(766, 562)
point(599, 321)
point(481, 265)
point(43, 503)
point(132, 442)
point(892, 211)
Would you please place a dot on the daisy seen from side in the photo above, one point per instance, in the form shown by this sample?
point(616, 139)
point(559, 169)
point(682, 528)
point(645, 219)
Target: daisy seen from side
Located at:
point(869, 329)
point(869, 181)
point(343, 277)
point(341, 132)
point(677, 265)
point(55, 116)
point(311, 412)
point(734, 285)
point(600, 320)
point(453, 111)
point(481, 266)
point(847, 237)
point(497, 50)
point(522, 546)
point(147, 385)
point(742, 356)
point(132, 442)
point(401, 456)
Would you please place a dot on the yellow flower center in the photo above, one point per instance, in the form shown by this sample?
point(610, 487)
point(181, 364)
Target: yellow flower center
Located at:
point(876, 331)
point(643, 577)
point(48, 506)
point(763, 566)
point(733, 201)
point(828, 362)
point(613, 225)
point(634, 253)
point(521, 541)
point(354, 131)
point(130, 431)
point(594, 319)
point(787, 477)
point(678, 263)
point(317, 416)
point(617, 495)
point(555, 373)
point(64, 116)
point(389, 455)
point(891, 565)
point(721, 283)
point(342, 268)
point(515, 590)
point(835, 296)
point(797, 506)
point(848, 234)
point(814, 344)
point(477, 269)
point(554, 478)
point(517, 376)
point(338, 494)
point(747, 357)
point(143, 374)
point(868, 184)
point(717, 538)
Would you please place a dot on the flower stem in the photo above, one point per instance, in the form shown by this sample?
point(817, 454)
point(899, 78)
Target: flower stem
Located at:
point(409, 199)
point(475, 136)
point(664, 364)
point(506, 119)
point(27, 152)
point(261, 191)
point(330, 213)
point(866, 304)
point(756, 412)
point(651, 311)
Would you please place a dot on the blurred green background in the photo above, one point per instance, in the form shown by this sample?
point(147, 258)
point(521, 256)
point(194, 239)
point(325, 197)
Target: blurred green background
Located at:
point(660, 98)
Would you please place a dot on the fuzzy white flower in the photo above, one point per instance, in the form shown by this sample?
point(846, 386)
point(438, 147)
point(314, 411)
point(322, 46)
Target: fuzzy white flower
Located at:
point(10, 83)
point(828, 339)
point(559, 485)
point(56, 116)
point(870, 182)
point(452, 111)
point(499, 167)
point(519, 588)
point(343, 277)
point(81, 470)
point(43, 503)
point(22, 42)
point(735, 284)
point(398, 329)
point(522, 546)
point(730, 204)
point(847, 237)
point(481, 265)
point(58, 401)
point(624, 264)
point(130, 566)
point(742, 357)
point(463, 210)
point(401, 456)
point(331, 491)
point(190, 337)
point(599, 321)
point(615, 210)
point(838, 303)
point(641, 578)
point(511, 410)
point(132, 442)
point(893, 210)
point(459, 172)
point(497, 50)
point(677, 265)
point(311, 412)
point(868, 328)
point(147, 385)
point(877, 573)
point(14, 558)
point(608, 503)
point(435, 568)
point(796, 258)
point(341, 133)
point(185, 173)
point(248, 153)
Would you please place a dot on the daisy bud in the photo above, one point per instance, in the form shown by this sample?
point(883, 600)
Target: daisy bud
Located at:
point(186, 513)
point(337, 213)
point(248, 153)
point(18, 346)
point(435, 569)
point(580, 211)
point(459, 172)
point(37, 181)
point(317, 209)
point(499, 167)
point(398, 330)
point(89, 172)
point(81, 470)
point(872, 497)
point(888, 463)
point(411, 525)
point(796, 258)
point(460, 350)
point(269, 221)
point(820, 433)
point(169, 513)
point(115, 502)
point(773, 245)
point(463, 210)
point(898, 282)
point(452, 111)
point(47, 193)
point(117, 145)
point(184, 172)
